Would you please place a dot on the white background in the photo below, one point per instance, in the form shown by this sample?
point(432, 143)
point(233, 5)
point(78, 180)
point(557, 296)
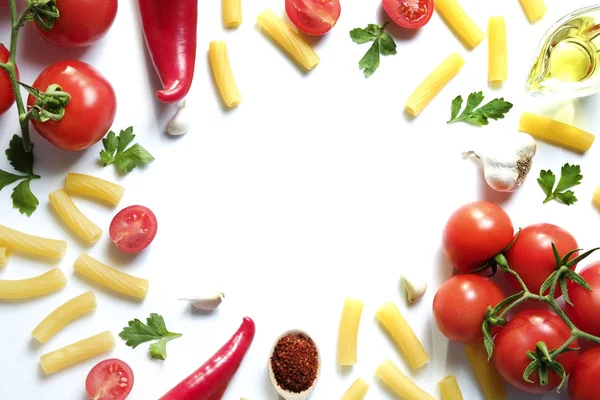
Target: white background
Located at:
point(317, 187)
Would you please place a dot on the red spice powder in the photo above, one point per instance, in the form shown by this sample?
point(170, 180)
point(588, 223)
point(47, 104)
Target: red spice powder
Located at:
point(295, 362)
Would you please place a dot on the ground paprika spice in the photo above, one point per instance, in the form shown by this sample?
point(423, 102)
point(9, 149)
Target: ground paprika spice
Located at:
point(295, 362)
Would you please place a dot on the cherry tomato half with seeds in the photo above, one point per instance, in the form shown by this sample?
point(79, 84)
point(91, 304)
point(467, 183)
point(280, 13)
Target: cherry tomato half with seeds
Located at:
point(110, 379)
point(584, 382)
point(133, 229)
point(531, 255)
point(7, 96)
point(520, 335)
point(586, 304)
point(81, 22)
point(459, 306)
point(313, 17)
point(475, 234)
point(409, 14)
point(90, 112)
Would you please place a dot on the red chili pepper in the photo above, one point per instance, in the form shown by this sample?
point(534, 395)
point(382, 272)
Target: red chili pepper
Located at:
point(170, 32)
point(210, 381)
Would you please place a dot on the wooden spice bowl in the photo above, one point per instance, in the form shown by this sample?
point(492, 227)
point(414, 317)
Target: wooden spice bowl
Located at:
point(287, 395)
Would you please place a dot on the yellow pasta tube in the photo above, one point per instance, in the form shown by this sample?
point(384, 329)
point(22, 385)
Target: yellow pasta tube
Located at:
point(348, 334)
point(460, 23)
point(63, 315)
point(597, 197)
point(288, 39)
point(111, 278)
point(93, 187)
point(489, 379)
point(450, 389)
point(77, 352)
point(34, 245)
point(37, 286)
point(556, 132)
point(73, 217)
point(3, 256)
point(357, 391)
point(399, 383)
point(534, 9)
point(232, 13)
point(389, 315)
point(432, 85)
point(219, 61)
point(497, 50)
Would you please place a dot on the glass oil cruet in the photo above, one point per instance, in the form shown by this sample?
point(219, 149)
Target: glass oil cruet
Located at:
point(567, 57)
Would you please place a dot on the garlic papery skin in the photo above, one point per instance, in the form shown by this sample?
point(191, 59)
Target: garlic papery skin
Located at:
point(206, 303)
point(415, 286)
point(506, 160)
point(180, 123)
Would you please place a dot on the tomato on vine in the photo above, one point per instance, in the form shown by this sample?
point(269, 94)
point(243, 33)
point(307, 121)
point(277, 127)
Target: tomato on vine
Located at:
point(586, 303)
point(7, 96)
point(81, 22)
point(522, 334)
point(459, 306)
point(584, 382)
point(531, 255)
point(475, 234)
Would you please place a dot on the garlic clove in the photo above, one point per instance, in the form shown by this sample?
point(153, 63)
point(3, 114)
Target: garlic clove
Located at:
point(415, 286)
point(206, 303)
point(506, 160)
point(180, 123)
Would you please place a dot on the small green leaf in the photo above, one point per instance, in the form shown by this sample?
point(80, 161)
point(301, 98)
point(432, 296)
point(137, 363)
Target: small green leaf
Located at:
point(116, 152)
point(21, 160)
point(370, 61)
point(375, 29)
point(570, 175)
point(567, 197)
point(23, 199)
point(387, 46)
point(6, 178)
point(456, 106)
point(155, 329)
point(360, 36)
point(546, 181)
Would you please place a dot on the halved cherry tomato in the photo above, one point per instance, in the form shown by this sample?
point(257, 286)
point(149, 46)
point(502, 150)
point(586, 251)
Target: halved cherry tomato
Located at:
point(133, 229)
point(475, 234)
point(409, 14)
point(81, 22)
point(89, 114)
point(110, 379)
point(7, 96)
point(459, 306)
point(584, 382)
point(520, 335)
point(314, 17)
point(531, 255)
point(586, 304)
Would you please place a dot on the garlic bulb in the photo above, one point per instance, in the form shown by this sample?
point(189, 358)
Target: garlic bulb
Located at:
point(206, 303)
point(415, 286)
point(180, 123)
point(506, 160)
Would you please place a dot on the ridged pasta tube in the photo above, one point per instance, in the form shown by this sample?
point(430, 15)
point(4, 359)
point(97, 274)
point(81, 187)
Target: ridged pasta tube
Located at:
point(232, 13)
point(90, 186)
point(41, 285)
point(460, 23)
point(534, 9)
point(556, 132)
point(400, 383)
point(348, 333)
point(73, 217)
point(357, 391)
point(77, 352)
point(219, 61)
point(497, 50)
point(33, 245)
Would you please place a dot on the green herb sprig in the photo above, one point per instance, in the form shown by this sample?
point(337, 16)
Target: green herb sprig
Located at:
point(116, 151)
point(382, 44)
point(154, 329)
point(570, 176)
point(495, 109)
point(23, 198)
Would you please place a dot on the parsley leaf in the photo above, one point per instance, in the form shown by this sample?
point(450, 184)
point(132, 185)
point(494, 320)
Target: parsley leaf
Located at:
point(570, 175)
point(116, 151)
point(155, 329)
point(22, 197)
point(495, 110)
point(382, 44)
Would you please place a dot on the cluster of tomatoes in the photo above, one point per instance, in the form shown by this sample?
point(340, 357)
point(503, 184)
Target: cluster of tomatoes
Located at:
point(317, 17)
point(474, 235)
point(93, 104)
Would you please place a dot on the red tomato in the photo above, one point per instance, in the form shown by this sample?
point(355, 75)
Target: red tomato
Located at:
point(81, 22)
point(583, 381)
point(521, 334)
point(110, 379)
point(314, 17)
point(7, 96)
point(410, 14)
point(476, 233)
point(133, 229)
point(459, 306)
point(89, 114)
point(531, 255)
point(586, 304)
